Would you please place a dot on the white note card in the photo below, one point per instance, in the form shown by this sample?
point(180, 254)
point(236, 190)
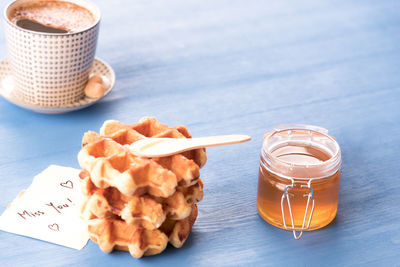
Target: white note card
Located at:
point(49, 209)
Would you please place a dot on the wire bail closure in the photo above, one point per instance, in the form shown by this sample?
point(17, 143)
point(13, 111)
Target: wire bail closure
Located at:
point(310, 196)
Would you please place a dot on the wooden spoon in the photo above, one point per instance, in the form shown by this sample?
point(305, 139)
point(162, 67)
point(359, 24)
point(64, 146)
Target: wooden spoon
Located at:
point(161, 147)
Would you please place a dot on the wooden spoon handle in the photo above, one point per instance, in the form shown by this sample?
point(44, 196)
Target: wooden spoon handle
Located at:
point(161, 147)
point(220, 140)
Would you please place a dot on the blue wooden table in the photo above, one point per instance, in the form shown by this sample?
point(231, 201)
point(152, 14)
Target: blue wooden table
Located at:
point(223, 67)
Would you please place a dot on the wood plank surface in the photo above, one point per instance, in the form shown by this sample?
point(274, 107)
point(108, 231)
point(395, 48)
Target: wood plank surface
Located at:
point(237, 67)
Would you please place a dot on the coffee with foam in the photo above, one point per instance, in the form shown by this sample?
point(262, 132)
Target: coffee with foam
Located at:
point(52, 17)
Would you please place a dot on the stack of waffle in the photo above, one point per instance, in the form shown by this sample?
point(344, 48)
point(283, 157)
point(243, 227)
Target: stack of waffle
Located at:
point(134, 203)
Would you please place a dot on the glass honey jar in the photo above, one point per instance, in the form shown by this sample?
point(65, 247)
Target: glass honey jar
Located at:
point(299, 177)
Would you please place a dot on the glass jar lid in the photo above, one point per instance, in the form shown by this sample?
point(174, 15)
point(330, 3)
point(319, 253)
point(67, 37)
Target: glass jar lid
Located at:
point(299, 151)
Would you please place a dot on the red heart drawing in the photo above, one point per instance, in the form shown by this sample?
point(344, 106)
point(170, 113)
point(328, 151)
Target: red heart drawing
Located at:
point(67, 184)
point(54, 227)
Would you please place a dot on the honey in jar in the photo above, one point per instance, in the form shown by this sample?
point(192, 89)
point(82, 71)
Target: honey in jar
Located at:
point(299, 178)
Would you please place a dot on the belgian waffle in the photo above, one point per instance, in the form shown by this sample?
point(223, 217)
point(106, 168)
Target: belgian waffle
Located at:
point(147, 211)
point(150, 127)
point(135, 203)
point(111, 164)
point(111, 233)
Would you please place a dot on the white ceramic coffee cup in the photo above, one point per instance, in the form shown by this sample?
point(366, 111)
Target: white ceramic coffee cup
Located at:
point(51, 69)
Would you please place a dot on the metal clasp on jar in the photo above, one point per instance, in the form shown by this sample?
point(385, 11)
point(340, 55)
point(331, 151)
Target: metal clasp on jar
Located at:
point(310, 196)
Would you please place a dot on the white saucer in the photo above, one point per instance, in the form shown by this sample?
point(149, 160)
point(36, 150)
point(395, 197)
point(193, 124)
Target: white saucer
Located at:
point(7, 85)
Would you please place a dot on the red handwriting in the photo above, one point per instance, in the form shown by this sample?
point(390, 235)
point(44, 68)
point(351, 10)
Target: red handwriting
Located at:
point(54, 227)
point(26, 214)
point(67, 184)
point(58, 208)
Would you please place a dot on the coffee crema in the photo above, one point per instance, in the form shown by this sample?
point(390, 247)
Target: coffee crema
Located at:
point(52, 17)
